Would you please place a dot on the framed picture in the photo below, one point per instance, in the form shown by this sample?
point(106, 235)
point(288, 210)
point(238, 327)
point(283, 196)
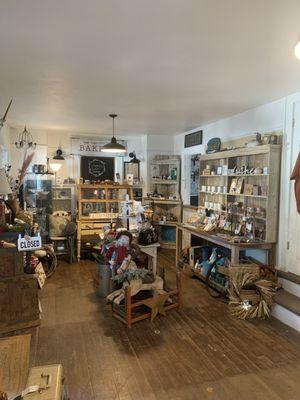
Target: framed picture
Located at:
point(97, 168)
point(248, 190)
point(132, 169)
point(193, 139)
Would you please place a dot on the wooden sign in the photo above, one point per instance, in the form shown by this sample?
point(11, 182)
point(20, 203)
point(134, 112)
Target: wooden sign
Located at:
point(28, 243)
point(82, 146)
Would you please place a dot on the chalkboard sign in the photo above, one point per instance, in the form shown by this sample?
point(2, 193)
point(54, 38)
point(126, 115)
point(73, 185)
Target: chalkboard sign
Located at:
point(97, 168)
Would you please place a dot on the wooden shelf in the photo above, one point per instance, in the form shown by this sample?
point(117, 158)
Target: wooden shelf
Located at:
point(161, 201)
point(214, 193)
point(169, 161)
point(167, 223)
point(232, 175)
point(164, 181)
point(247, 195)
point(263, 156)
point(241, 152)
point(65, 198)
point(233, 194)
point(107, 201)
point(101, 200)
point(167, 166)
point(213, 176)
point(103, 186)
point(231, 213)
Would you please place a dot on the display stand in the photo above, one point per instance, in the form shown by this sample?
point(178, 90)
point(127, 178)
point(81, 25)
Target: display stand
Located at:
point(243, 186)
point(165, 197)
point(98, 206)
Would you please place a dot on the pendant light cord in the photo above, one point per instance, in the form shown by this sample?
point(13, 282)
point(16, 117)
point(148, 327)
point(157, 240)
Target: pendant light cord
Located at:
point(113, 116)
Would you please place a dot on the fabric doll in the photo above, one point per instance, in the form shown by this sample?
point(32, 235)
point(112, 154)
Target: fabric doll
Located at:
point(119, 250)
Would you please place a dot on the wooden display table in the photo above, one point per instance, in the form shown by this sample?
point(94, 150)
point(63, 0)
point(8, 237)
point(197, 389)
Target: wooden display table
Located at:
point(235, 248)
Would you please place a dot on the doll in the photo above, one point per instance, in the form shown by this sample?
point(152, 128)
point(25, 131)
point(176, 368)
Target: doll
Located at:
point(119, 250)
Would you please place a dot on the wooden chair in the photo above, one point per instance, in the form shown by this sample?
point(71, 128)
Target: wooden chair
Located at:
point(67, 236)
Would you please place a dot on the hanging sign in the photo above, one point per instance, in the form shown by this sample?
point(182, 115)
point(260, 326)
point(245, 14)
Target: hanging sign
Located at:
point(28, 243)
point(82, 146)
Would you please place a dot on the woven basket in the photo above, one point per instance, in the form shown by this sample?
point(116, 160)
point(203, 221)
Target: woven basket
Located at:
point(252, 270)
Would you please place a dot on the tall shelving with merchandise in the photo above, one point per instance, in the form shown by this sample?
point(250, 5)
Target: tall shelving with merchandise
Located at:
point(98, 205)
point(242, 185)
point(165, 197)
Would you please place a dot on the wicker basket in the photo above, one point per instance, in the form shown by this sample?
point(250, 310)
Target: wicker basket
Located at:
point(236, 271)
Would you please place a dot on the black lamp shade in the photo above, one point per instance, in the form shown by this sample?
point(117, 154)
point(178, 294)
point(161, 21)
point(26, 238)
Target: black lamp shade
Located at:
point(113, 147)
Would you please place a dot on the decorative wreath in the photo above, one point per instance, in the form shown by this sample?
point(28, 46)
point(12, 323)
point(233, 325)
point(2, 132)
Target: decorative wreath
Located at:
point(250, 298)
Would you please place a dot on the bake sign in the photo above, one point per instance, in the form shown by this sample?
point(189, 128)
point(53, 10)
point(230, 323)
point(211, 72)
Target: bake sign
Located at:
point(90, 146)
point(28, 243)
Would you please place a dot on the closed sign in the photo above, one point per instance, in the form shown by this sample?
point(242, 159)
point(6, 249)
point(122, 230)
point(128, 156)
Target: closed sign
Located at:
point(28, 243)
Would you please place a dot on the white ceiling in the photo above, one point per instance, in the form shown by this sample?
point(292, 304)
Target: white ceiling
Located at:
point(165, 66)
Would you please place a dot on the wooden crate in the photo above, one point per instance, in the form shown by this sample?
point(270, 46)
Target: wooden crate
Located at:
point(11, 263)
point(251, 269)
point(19, 303)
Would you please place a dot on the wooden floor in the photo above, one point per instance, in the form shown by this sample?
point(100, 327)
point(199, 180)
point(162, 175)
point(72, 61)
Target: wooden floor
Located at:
point(200, 352)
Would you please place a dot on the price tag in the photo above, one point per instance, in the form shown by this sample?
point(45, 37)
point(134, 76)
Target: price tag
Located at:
point(28, 243)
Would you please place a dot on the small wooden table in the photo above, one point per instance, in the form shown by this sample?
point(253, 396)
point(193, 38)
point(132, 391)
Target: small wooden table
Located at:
point(151, 251)
point(235, 248)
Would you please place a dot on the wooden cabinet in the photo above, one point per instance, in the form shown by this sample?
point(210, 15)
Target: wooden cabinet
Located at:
point(11, 263)
point(19, 302)
point(243, 186)
point(98, 205)
point(102, 201)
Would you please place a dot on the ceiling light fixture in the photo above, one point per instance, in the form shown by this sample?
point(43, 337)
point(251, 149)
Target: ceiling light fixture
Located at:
point(113, 146)
point(297, 49)
point(25, 140)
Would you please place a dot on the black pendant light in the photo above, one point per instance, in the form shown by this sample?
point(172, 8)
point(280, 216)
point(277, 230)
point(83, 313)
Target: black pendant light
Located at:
point(113, 146)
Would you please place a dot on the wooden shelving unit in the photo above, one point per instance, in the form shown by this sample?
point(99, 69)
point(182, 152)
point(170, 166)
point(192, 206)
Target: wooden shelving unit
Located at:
point(265, 158)
point(165, 182)
point(102, 199)
point(98, 205)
